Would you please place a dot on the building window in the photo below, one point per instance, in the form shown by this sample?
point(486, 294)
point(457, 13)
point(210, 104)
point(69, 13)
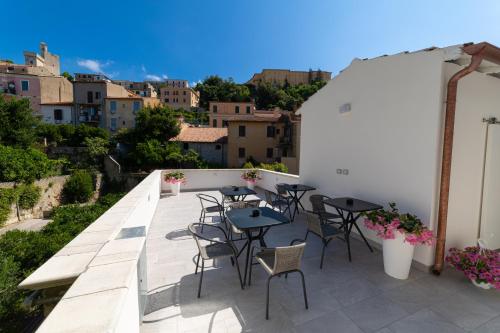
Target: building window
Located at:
point(184, 93)
point(90, 97)
point(167, 93)
point(214, 109)
point(277, 131)
point(218, 147)
point(242, 130)
point(184, 100)
point(248, 108)
point(166, 100)
point(186, 146)
point(137, 106)
point(269, 152)
point(97, 95)
point(112, 106)
point(236, 109)
point(25, 85)
point(271, 131)
point(113, 124)
point(241, 152)
point(58, 114)
point(214, 123)
point(224, 123)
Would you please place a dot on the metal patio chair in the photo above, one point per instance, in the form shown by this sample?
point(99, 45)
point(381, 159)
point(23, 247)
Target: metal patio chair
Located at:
point(239, 205)
point(318, 207)
point(325, 231)
point(278, 261)
point(277, 201)
point(209, 204)
point(213, 250)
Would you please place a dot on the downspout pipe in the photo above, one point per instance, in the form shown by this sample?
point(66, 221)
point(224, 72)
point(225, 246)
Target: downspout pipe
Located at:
point(444, 190)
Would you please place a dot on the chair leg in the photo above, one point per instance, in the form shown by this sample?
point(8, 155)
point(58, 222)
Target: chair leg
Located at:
point(201, 277)
point(322, 256)
point(197, 263)
point(307, 234)
point(267, 296)
point(201, 215)
point(304, 288)
point(250, 272)
point(239, 272)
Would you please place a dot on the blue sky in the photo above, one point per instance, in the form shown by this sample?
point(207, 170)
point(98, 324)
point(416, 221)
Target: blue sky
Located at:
point(234, 38)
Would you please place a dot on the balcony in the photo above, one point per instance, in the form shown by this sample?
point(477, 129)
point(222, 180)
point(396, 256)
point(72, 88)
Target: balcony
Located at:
point(133, 271)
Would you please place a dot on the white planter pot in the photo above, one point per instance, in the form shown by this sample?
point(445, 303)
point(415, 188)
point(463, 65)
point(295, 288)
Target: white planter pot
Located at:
point(251, 185)
point(483, 285)
point(175, 188)
point(398, 256)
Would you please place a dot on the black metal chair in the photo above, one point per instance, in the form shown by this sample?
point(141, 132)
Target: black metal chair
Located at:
point(278, 261)
point(325, 231)
point(213, 250)
point(318, 208)
point(209, 204)
point(239, 205)
point(277, 201)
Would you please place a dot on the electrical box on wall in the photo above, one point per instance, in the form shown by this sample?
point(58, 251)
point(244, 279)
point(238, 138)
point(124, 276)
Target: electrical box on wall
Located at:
point(345, 108)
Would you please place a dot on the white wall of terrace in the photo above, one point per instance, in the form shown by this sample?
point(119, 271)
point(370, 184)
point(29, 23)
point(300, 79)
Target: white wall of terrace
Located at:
point(102, 270)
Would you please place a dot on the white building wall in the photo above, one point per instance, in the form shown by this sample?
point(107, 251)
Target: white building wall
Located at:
point(390, 140)
point(48, 113)
point(478, 97)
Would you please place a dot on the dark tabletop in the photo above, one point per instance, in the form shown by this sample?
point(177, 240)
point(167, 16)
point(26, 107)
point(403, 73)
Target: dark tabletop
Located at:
point(357, 205)
point(298, 187)
point(242, 219)
point(240, 190)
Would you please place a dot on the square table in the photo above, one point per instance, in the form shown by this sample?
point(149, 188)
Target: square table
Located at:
point(236, 193)
point(243, 220)
point(346, 208)
point(297, 191)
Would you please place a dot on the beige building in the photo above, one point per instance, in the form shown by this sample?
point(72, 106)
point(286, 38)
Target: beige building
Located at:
point(266, 137)
point(45, 59)
point(177, 94)
point(120, 112)
point(221, 112)
point(143, 89)
point(37, 80)
point(286, 76)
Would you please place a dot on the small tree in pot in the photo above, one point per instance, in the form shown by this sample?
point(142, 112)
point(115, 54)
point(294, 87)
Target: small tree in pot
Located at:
point(400, 234)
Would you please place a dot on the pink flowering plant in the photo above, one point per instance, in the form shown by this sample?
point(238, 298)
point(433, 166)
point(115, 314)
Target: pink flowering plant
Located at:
point(477, 264)
point(387, 222)
point(251, 175)
point(175, 177)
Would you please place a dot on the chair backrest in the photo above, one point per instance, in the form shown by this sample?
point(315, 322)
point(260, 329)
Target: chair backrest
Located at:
point(314, 223)
point(288, 258)
point(280, 188)
point(253, 203)
point(238, 205)
point(206, 199)
point(317, 203)
point(269, 196)
point(196, 236)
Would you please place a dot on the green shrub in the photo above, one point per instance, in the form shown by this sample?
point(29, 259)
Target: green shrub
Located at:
point(278, 167)
point(79, 187)
point(248, 165)
point(28, 195)
point(25, 165)
point(7, 198)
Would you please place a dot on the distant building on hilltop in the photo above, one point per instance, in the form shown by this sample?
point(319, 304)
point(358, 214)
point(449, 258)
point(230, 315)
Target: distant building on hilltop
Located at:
point(220, 112)
point(177, 94)
point(143, 89)
point(38, 80)
point(286, 76)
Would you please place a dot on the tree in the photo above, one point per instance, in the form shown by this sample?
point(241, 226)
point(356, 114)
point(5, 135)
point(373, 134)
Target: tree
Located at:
point(97, 148)
point(25, 165)
point(214, 88)
point(157, 123)
point(17, 122)
point(68, 76)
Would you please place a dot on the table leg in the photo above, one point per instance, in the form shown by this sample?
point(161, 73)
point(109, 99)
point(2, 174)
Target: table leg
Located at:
point(347, 233)
point(249, 243)
point(299, 199)
point(361, 234)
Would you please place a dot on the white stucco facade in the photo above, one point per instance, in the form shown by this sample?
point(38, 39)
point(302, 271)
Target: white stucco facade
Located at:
point(391, 139)
point(49, 113)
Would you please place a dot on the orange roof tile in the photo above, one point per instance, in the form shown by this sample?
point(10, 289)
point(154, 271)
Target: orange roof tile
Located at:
point(201, 134)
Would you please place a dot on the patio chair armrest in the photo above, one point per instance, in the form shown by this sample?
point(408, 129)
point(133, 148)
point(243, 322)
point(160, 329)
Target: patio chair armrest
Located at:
point(210, 239)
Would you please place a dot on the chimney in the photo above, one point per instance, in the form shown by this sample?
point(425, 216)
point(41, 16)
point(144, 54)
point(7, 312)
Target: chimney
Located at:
point(43, 49)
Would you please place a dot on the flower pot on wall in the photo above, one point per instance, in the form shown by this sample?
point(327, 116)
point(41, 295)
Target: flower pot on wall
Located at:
point(175, 188)
point(398, 256)
point(250, 185)
point(482, 285)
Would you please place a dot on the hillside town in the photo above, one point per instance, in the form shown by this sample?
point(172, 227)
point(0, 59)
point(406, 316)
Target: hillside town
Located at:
point(244, 132)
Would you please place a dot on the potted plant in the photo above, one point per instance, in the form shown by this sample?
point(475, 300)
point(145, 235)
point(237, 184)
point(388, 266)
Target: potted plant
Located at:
point(175, 179)
point(400, 234)
point(480, 265)
point(251, 177)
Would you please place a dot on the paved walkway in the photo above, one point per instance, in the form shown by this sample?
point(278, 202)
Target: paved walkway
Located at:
point(28, 225)
point(343, 297)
